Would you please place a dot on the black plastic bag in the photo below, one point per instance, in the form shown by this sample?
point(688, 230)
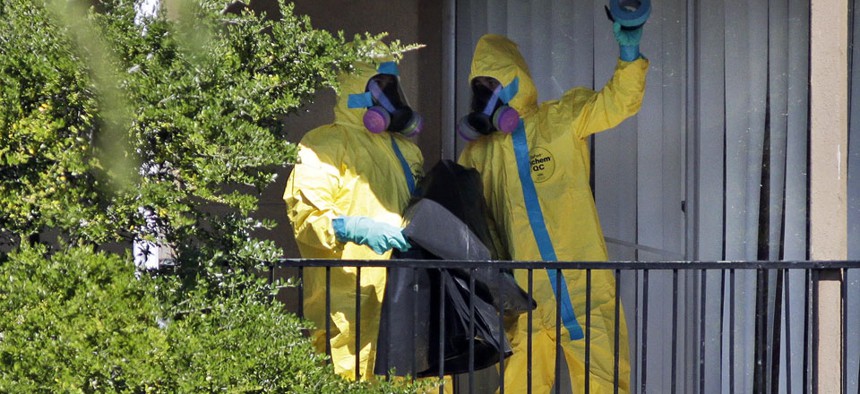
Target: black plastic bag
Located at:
point(460, 192)
point(446, 221)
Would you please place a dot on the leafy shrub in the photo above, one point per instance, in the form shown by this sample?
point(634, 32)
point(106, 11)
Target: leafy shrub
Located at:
point(47, 125)
point(160, 129)
point(166, 130)
point(81, 321)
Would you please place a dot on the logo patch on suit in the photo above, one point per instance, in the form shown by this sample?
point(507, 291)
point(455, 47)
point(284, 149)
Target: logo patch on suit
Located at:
point(542, 164)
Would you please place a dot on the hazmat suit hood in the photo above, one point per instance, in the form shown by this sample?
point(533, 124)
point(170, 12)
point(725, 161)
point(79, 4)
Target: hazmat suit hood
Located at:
point(352, 82)
point(498, 57)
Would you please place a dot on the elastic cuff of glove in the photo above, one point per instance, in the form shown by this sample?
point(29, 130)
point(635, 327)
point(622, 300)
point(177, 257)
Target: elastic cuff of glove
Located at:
point(629, 53)
point(339, 225)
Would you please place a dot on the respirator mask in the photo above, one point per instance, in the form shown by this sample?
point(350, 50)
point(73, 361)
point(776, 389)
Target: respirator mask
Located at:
point(387, 109)
point(490, 109)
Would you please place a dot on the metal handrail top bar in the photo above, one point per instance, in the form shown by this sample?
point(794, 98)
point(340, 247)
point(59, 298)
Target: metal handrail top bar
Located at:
point(576, 265)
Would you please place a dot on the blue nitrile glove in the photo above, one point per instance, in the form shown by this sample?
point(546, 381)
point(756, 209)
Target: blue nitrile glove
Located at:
point(365, 231)
point(628, 41)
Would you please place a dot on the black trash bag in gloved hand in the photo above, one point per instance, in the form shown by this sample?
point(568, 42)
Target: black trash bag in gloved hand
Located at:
point(410, 334)
point(459, 190)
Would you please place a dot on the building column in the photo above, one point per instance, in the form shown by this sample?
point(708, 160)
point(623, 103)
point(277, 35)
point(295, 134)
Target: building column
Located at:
point(828, 190)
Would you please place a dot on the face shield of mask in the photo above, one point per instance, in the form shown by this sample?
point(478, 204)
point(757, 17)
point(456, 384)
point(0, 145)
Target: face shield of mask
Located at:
point(391, 111)
point(482, 108)
point(488, 112)
point(482, 93)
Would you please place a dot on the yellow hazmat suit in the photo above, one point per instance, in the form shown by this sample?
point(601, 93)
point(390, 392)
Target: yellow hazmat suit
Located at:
point(345, 170)
point(552, 143)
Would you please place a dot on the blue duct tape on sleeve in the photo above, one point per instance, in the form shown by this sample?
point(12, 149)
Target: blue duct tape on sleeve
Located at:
point(629, 13)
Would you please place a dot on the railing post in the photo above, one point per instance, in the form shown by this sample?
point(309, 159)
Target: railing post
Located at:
point(829, 325)
point(828, 178)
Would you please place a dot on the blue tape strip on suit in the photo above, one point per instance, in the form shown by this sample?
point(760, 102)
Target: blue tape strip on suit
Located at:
point(410, 181)
point(359, 100)
point(547, 251)
point(508, 92)
point(388, 68)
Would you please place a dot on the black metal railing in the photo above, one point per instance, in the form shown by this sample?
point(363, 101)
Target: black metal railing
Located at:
point(706, 330)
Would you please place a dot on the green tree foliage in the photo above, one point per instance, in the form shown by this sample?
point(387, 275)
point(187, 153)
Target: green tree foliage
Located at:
point(47, 125)
point(167, 130)
point(81, 321)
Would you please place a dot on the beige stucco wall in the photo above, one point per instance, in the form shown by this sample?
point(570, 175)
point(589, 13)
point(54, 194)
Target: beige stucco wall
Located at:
point(828, 214)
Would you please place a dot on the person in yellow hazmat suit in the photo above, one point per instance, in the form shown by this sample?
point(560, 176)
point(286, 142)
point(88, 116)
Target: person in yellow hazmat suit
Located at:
point(534, 162)
point(344, 197)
